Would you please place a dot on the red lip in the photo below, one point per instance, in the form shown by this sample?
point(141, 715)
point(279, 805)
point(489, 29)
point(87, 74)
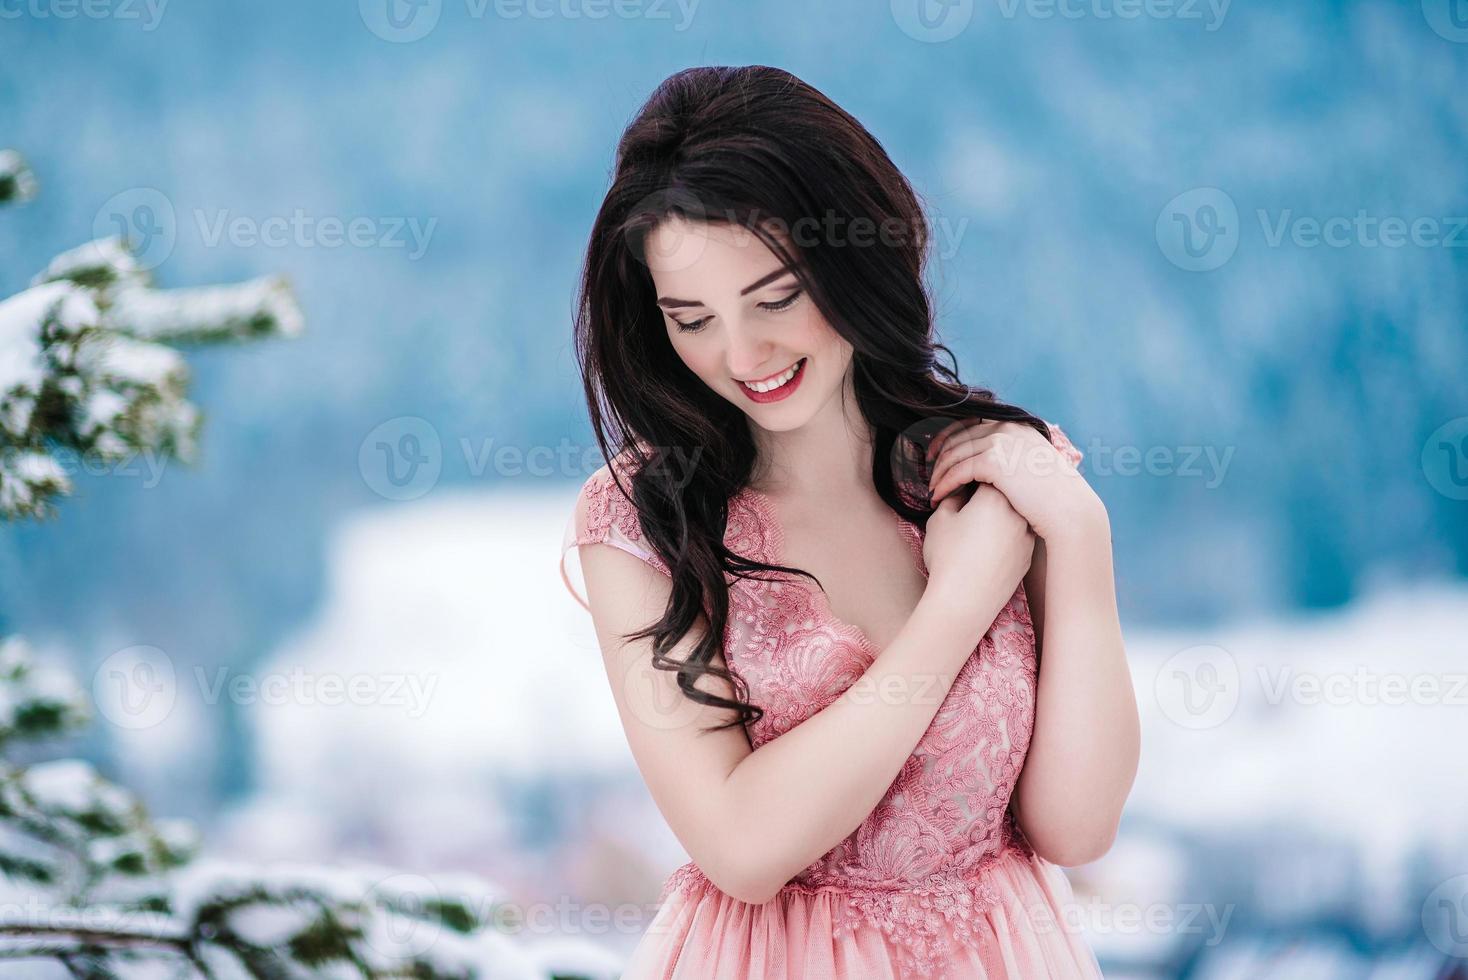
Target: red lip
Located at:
point(780, 393)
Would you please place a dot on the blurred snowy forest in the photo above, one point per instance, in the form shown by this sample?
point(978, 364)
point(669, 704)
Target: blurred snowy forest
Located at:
point(1226, 250)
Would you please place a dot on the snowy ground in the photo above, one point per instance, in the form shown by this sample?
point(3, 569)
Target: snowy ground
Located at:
point(1305, 771)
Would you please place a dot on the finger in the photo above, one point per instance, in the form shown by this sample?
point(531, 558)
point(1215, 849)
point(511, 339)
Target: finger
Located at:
point(960, 492)
point(955, 440)
point(974, 469)
point(935, 445)
point(948, 505)
point(972, 449)
point(958, 448)
point(936, 442)
point(978, 489)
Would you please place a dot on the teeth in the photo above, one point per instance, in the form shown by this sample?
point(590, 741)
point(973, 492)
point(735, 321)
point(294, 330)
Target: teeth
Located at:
point(771, 385)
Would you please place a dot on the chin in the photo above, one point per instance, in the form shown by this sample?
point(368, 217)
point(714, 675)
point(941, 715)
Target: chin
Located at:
point(782, 426)
point(783, 421)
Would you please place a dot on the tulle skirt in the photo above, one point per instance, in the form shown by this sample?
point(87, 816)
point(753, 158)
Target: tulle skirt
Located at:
point(1024, 927)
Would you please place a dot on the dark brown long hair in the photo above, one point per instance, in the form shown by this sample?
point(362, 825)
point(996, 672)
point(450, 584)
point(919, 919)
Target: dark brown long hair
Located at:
point(757, 147)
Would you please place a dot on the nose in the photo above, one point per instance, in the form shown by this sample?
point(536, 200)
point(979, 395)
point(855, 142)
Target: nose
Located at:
point(748, 352)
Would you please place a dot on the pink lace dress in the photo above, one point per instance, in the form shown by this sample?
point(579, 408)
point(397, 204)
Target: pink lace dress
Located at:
point(938, 881)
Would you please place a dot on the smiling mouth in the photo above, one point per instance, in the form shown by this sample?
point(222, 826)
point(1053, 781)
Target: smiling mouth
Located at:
point(777, 387)
point(774, 381)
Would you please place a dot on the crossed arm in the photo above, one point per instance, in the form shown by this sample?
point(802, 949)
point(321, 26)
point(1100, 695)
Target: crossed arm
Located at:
point(1083, 752)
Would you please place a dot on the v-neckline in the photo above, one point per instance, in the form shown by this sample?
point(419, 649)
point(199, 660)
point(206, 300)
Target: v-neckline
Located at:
point(773, 535)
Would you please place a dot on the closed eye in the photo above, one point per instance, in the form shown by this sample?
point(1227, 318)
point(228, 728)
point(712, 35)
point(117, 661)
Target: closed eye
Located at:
point(778, 306)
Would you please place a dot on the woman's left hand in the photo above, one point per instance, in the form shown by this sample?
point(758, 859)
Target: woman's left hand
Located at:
point(1041, 484)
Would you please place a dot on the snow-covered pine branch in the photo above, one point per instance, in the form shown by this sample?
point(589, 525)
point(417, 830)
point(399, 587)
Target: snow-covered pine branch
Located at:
point(104, 889)
point(130, 304)
point(77, 828)
point(86, 366)
point(110, 891)
point(36, 702)
point(17, 183)
point(262, 307)
point(104, 263)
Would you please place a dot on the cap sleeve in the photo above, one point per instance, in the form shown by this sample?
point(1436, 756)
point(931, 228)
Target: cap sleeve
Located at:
point(1059, 441)
point(602, 514)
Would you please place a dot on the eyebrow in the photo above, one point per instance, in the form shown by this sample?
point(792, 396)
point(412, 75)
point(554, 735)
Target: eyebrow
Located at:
point(668, 302)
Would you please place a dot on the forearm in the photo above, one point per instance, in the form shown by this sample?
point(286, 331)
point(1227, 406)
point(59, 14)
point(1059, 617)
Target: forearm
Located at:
point(1083, 752)
point(800, 794)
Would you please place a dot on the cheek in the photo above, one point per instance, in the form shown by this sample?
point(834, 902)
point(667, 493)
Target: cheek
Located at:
point(820, 339)
point(698, 357)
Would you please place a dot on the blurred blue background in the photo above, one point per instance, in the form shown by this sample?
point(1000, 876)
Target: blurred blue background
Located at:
point(1224, 246)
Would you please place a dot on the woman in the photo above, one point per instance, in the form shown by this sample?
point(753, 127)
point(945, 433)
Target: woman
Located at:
point(833, 568)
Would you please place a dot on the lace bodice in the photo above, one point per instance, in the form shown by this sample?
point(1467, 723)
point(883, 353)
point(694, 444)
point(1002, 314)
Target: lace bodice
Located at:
point(918, 859)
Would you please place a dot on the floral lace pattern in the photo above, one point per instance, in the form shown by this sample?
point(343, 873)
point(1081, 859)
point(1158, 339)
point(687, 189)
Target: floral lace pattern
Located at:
point(916, 867)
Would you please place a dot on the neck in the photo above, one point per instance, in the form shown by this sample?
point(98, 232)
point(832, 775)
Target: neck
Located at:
point(831, 455)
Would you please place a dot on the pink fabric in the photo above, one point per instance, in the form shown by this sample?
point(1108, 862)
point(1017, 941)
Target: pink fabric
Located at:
point(938, 881)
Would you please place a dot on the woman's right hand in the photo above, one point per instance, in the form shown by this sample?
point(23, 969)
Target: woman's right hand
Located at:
point(972, 547)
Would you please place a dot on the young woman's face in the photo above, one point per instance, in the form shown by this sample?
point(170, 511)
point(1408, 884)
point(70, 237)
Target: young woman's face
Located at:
point(734, 315)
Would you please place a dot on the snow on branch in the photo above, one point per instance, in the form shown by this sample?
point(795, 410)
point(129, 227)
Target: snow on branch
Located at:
point(101, 263)
point(261, 307)
point(87, 366)
point(107, 891)
point(107, 884)
point(17, 183)
point(36, 701)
